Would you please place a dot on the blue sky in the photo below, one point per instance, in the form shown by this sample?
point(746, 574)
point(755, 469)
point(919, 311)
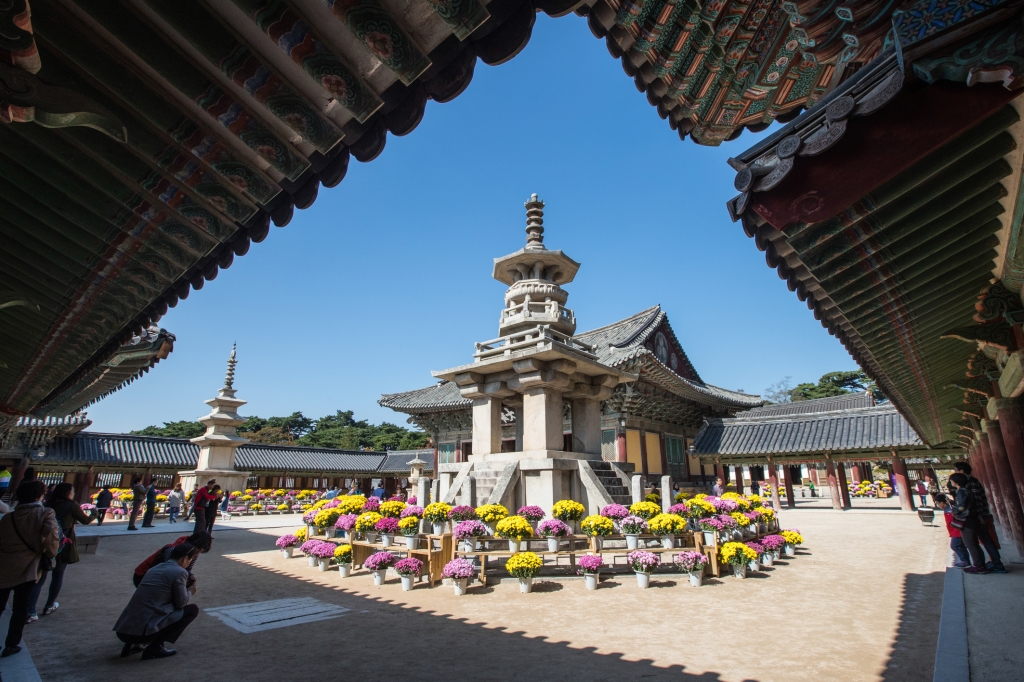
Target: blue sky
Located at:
point(387, 276)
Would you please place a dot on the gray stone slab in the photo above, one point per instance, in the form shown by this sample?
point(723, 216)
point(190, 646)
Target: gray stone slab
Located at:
point(951, 662)
point(278, 613)
point(20, 667)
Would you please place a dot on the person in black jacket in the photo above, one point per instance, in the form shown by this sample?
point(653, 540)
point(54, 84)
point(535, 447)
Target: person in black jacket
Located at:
point(211, 508)
point(68, 513)
point(147, 518)
point(103, 504)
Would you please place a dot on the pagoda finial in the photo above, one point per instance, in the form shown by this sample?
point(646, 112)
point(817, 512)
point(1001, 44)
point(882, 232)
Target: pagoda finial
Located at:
point(534, 223)
point(229, 378)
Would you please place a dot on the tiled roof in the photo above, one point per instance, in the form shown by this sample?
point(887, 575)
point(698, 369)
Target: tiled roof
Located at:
point(839, 432)
point(848, 401)
point(615, 345)
point(397, 461)
point(120, 450)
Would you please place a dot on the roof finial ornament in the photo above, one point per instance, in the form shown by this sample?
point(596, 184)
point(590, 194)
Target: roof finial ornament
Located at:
point(534, 223)
point(229, 378)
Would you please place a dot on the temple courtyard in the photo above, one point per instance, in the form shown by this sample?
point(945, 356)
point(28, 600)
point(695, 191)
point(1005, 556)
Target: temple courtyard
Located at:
point(860, 601)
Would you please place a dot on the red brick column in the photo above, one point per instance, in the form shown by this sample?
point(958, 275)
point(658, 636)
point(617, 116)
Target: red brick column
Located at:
point(1004, 479)
point(844, 488)
point(983, 460)
point(833, 485)
point(773, 481)
point(899, 468)
point(787, 479)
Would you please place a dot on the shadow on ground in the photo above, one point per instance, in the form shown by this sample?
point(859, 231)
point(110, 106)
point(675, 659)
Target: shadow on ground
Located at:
point(918, 629)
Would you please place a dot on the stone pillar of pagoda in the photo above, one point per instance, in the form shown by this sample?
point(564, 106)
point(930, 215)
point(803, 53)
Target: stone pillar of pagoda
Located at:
point(1004, 479)
point(899, 468)
point(833, 485)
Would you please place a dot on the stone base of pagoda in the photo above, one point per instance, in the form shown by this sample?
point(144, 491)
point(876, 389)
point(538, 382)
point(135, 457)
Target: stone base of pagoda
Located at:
point(229, 480)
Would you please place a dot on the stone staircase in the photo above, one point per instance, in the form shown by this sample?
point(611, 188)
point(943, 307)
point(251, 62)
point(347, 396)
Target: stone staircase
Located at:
point(483, 483)
point(612, 483)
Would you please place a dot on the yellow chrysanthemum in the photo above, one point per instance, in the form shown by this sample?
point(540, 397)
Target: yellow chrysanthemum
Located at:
point(645, 510)
point(567, 510)
point(740, 519)
point(409, 525)
point(491, 513)
point(524, 565)
point(667, 524)
point(736, 553)
point(792, 537)
point(514, 528)
point(366, 521)
point(392, 509)
point(596, 524)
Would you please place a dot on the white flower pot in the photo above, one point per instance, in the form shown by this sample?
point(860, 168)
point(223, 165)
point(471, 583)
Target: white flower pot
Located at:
point(513, 545)
point(643, 580)
point(345, 570)
point(460, 585)
point(552, 544)
point(767, 559)
point(752, 565)
point(709, 537)
point(371, 536)
point(324, 563)
point(329, 532)
point(287, 552)
point(311, 531)
point(438, 528)
point(467, 545)
point(410, 542)
point(631, 541)
point(591, 580)
point(696, 578)
point(790, 550)
point(739, 571)
point(378, 577)
point(407, 582)
point(386, 539)
point(668, 541)
point(312, 561)
point(526, 585)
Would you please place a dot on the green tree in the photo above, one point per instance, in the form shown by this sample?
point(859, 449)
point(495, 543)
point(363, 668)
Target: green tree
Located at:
point(837, 383)
point(182, 429)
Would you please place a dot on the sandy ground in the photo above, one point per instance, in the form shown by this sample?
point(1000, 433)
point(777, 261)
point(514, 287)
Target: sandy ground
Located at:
point(859, 602)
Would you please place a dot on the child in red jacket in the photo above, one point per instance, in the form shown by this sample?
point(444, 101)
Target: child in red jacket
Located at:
point(955, 543)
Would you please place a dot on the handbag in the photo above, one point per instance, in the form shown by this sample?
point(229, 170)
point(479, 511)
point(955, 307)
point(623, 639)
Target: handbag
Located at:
point(46, 563)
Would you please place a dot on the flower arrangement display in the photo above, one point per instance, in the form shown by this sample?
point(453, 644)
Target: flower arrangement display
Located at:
point(681, 497)
point(256, 507)
point(691, 562)
point(458, 569)
point(773, 543)
point(280, 492)
point(469, 529)
point(409, 526)
point(754, 515)
point(589, 564)
point(343, 554)
point(326, 518)
point(307, 546)
point(568, 510)
point(319, 504)
point(679, 509)
point(596, 525)
point(351, 504)
point(643, 562)
point(633, 525)
point(756, 547)
point(724, 506)
point(372, 504)
point(553, 528)
point(391, 509)
point(287, 541)
point(387, 525)
point(366, 521)
point(531, 513)
point(379, 561)
point(346, 522)
point(717, 524)
point(461, 512)
point(306, 507)
point(699, 508)
point(740, 500)
point(767, 514)
point(667, 524)
point(411, 510)
point(282, 507)
point(740, 518)
point(652, 497)
point(408, 567)
point(615, 512)
point(755, 500)
point(321, 549)
point(524, 565)
point(869, 488)
point(491, 513)
point(246, 498)
point(514, 528)
point(792, 537)
point(736, 554)
point(412, 501)
point(300, 534)
point(161, 498)
point(437, 512)
point(645, 510)
point(308, 517)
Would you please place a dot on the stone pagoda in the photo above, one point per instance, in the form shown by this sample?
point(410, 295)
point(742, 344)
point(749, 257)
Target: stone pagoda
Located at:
point(218, 445)
point(536, 371)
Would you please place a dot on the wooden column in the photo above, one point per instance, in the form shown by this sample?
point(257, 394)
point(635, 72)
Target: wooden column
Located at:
point(899, 468)
point(737, 472)
point(844, 487)
point(1011, 425)
point(1004, 479)
point(787, 479)
point(620, 445)
point(991, 483)
point(833, 485)
point(720, 473)
point(773, 481)
point(812, 472)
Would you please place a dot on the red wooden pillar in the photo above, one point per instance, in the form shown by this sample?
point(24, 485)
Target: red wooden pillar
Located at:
point(812, 472)
point(899, 468)
point(833, 485)
point(1004, 479)
point(844, 487)
point(720, 473)
point(991, 483)
point(1011, 424)
point(787, 479)
point(620, 446)
point(773, 481)
point(737, 471)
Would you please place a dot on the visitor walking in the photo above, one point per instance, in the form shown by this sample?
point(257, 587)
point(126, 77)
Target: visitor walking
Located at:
point(201, 540)
point(755, 487)
point(956, 543)
point(379, 491)
point(986, 529)
point(718, 488)
point(68, 513)
point(174, 502)
point(138, 494)
point(225, 499)
point(103, 500)
point(159, 610)
point(211, 507)
point(967, 521)
point(922, 492)
point(27, 535)
point(147, 518)
point(199, 502)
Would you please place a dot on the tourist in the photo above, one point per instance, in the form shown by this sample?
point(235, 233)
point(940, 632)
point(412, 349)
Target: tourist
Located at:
point(159, 610)
point(67, 512)
point(211, 507)
point(810, 485)
point(103, 500)
point(755, 487)
point(986, 529)
point(379, 491)
point(201, 540)
point(225, 499)
point(956, 542)
point(718, 488)
point(190, 502)
point(27, 534)
point(332, 493)
point(200, 500)
point(147, 518)
point(174, 502)
point(966, 517)
point(922, 492)
point(138, 493)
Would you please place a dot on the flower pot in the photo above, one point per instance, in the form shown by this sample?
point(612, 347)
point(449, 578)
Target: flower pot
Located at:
point(752, 565)
point(329, 532)
point(438, 528)
point(513, 545)
point(287, 552)
point(345, 570)
point(790, 550)
point(407, 582)
point(378, 577)
point(526, 585)
point(552, 544)
point(312, 561)
point(460, 585)
point(490, 529)
point(767, 559)
point(324, 563)
point(737, 536)
point(410, 542)
point(598, 543)
point(467, 545)
point(668, 541)
point(709, 537)
point(696, 578)
point(643, 580)
point(371, 537)
point(631, 541)
point(739, 571)
point(591, 580)
point(386, 539)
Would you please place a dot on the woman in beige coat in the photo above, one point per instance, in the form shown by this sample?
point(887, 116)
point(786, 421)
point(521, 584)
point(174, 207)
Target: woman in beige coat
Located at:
point(26, 535)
